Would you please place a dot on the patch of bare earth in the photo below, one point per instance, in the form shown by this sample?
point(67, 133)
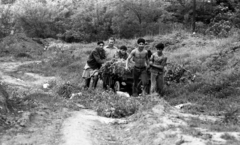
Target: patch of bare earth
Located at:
point(53, 120)
point(35, 120)
point(43, 117)
point(166, 125)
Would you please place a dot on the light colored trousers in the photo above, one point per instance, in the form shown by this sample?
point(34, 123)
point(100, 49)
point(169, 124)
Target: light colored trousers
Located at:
point(157, 83)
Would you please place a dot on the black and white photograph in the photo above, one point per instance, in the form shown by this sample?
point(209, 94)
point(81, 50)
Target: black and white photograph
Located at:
point(119, 72)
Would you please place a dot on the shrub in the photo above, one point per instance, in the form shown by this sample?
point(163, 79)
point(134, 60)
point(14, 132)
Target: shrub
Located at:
point(6, 20)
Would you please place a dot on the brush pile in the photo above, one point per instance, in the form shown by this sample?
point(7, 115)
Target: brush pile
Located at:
point(66, 90)
point(116, 67)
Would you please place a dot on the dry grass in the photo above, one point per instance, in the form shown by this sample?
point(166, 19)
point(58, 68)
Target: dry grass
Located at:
point(216, 86)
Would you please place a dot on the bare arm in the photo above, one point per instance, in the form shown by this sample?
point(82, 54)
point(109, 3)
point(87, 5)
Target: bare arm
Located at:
point(147, 59)
point(128, 59)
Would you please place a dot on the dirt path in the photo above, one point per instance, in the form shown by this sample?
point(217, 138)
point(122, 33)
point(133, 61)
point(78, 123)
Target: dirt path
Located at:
point(78, 128)
point(81, 128)
point(10, 75)
point(84, 127)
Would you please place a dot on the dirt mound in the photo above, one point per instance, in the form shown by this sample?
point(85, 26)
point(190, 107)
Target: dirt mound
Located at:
point(167, 125)
point(19, 43)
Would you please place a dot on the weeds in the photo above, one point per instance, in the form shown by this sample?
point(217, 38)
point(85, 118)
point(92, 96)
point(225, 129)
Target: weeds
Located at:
point(66, 90)
point(231, 116)
point(227, 136)
point(109, 104)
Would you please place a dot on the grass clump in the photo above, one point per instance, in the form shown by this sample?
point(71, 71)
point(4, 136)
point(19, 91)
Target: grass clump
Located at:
point(227, 136)
point(109, 104)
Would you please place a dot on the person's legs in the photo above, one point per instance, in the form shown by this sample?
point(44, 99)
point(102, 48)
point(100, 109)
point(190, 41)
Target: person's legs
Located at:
point(153, 82)
point(136, 75)
point(105, 81)
point(95, 81)
point(86, 77)
point(160, 84)
point(87, 83)
point(145, 81)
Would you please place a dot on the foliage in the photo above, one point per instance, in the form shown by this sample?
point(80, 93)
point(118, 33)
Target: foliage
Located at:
point(80, 21)
point(221, 24)
point(6, 20)
point(19, 43)
point(109, 104)
point(87, 21)
point(66, 90)
point(41, 18)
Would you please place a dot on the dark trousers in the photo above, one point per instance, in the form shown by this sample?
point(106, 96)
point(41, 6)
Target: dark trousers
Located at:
point(94, 82)
point(143, 75)
point(87, 83)
point(105, 79)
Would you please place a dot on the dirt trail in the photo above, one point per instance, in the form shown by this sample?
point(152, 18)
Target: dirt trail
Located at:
point(162, 125)
point(81, 128)
point(77, 129)
point(21, 79)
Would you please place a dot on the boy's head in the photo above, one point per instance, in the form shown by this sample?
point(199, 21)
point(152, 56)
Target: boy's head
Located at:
point(141, 43)
point(100, 43)
point(111, 41)
point(159, 46)
point(123, 49)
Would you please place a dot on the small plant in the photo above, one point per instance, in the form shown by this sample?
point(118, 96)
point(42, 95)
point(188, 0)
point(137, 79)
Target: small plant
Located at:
point(231, 116)
point(227, 136)
point(66, 90)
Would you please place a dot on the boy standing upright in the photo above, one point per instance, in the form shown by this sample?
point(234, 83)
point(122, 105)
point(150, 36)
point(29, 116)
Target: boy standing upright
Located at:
point(110, 51)
point(140, 57)
point(157, 64)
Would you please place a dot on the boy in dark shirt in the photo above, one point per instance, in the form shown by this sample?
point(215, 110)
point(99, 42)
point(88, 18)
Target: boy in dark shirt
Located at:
point(94, 62)
point(122, 53)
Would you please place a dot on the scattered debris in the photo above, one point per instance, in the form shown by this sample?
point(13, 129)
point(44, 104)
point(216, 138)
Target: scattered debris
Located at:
point(46, 86)
point(123, 94)
point(67, 89)
point(180, 106)
point(75, 94)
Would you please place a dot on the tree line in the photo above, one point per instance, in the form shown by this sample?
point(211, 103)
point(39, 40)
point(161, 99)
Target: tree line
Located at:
point(91, 20)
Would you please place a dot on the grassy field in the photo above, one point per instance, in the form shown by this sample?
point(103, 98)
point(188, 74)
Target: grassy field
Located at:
point(214, 93)
point(213, 60)
point(209, 58)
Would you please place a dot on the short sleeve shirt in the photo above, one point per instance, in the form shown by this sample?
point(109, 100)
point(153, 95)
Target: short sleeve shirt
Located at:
point(110, 52)
point(157, 60)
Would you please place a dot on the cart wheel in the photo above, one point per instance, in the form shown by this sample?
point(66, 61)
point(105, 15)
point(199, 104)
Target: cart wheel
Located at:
point(117, 86)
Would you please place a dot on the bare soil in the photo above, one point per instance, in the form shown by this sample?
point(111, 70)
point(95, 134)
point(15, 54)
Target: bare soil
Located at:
point(48, 119)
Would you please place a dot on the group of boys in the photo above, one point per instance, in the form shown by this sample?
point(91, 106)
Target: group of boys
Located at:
point(142, 63)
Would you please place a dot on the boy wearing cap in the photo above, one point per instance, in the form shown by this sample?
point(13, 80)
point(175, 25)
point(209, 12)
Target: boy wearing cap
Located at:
point(94, 62)
point(140, 57)
point(157, 64)
point(122, 53)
